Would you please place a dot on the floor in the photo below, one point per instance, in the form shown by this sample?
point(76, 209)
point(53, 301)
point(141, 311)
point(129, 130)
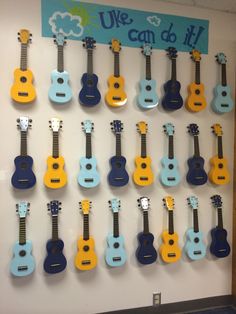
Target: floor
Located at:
point(222, 310)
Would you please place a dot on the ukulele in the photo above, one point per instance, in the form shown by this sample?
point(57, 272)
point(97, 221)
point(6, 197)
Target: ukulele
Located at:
point(22, 90)
point(23, 262)
point(116, 96)
point(145, 253)
point(147, 98)
point(89, 95)
point(194, 247)
point(60, 91)
point(88, 176)
point(219, 173)
point(222, 101)
point(115, 254)
point(196, 100)
point(170, 175)
point(196, 174)
point(23, 177)
point(86, 257)
point(172, 99)
point(55, 262)
point(219, 245)
point(143, 174)
point(55, 176)
point(118, 175)
point(170, 251)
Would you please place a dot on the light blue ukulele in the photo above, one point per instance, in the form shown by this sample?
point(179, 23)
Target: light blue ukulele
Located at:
point(88, 176)
point(60, 91)
point(222, 101)
point(22, 263)
point(170, 175)
point(194, 247)
point(115, 255)
point(147, 98)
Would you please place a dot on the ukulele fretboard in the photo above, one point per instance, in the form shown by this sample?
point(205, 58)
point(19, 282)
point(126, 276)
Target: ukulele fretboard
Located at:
point(143, 146)
point(23, 145)
point(220, 218)
point(116, 225)
point(54, 228)
point(118, 144)
point(173, 69)
point(90, 62)
point(223, 75)
point(86, 227)
point(196, 146)
point(60, 58)
point(23, 58)
point(145, 222)
point(116, 64)
point(88, 145)
point(22, 231)
point(55, 145)
point(197, 72)
point(220, 147)
point(148, 68)
point(195, 220)
point(171, 222)
point(171, 147)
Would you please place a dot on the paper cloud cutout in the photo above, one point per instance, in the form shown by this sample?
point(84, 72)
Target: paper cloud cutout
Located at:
point(66, 23)
point(154, 20)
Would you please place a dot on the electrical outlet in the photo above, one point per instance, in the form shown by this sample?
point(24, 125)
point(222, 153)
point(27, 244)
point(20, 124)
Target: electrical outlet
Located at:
point(156, 298)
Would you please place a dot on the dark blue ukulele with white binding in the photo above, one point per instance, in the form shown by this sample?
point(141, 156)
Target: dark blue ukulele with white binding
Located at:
point(172, 99)
point(219, 246)
point(196, 174)
point(55, 262)
point(89, 95)
point(23, 177)
point(118, 175)
point(145, 253)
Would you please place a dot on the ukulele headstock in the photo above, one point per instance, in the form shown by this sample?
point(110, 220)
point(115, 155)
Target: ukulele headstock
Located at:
point(216, 201)
point(193, 129)
point(59, 39)
point(217, 129)
point(54, 207)
point(172, 52)
point(87, 126)
point(23, 208)
point(117, 126)
point(114, 205)
point(24, 36)
point(146, 49)
point(24, 123)
point(169, 129)
point(193, 202)
point(144, 203)
point(85, 206)
point(195, 55)
point(55, 124)
point(89, 43)
point(169, 203)
point(115, 45)
point(221, 58)
point(142, 127)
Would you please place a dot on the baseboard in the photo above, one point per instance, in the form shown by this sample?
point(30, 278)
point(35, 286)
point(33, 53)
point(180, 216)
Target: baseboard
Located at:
point(182, 307)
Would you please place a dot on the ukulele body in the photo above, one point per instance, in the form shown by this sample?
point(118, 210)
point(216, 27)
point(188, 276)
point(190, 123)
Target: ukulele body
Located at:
point(60, 91)
point(89, 95)
point(172, 99)
point(196, 174)
point(143, 174)
point(222, 101)
point(118, 175)
point(219, 245)
point(169, 250)
point(22, 90)
point(88, 176)
point(146, 253)
point(219, 173)
point(115, 255)
point(194, 247)
point(23, 263)
point(169, 175)
point(55, 262)
point(116, 96)
point(86, 257)
point(55, 176)
point(147, 98)
point(196, 100)
point(23, 177)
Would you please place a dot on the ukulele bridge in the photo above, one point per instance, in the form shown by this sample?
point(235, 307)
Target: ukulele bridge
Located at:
point(88, 180)
point(57, 180)
point(60, 94)
point(22, 268)
point(116, 259)
point(224, 105)
point(24, 94)
point(86, 262)
point(171, 178)
point(148, 100)
point(198, 104)
point(221, 177)
point(197, 252)
point(143, 178)
point(171, 255)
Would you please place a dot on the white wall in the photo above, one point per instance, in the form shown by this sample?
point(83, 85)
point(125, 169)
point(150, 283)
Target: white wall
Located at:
point(106, 289)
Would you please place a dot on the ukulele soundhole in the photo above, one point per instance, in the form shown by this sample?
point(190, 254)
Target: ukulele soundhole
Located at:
point(220, 166)
point(171, 242)
point(116, 245)
point(54, 250)
point(221, 237)
point(22, 253)
point(90, 83)
point(145, 242)
point(197, 91)
point(171, 166)
point(196, 240)
point(60, 80)
point(224, 94)
point(197, 165)
point(143, 165)
point(55, 166)
point(23, 166)
point(86, 248)
point(118, 165)
point(23, 79)
point(88, 166)
point(116, 85)
point(148, 87)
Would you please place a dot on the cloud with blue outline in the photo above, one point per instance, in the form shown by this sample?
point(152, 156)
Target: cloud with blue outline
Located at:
point(154, 20)
point(66, 23)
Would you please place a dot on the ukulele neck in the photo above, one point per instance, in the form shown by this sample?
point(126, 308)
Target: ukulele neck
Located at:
point(88, 146)
point(197, 72)
point(173, 69)
point(116, 225)
point(118, 144)
point(23, 143)
point(22, 231)
point(171, 147)
point(54, 228)
point(145, 222)
point(196, 146)
point(223, 75)
point(55, 145)
point(86, 227)
point(23, 58)
point(60, 58)
point(116, 64)
point(90, 62)
point(143, 146)
point(148, 68)
point(171, 222)
point(220, 218)
point(195, 220)
point(220, 147)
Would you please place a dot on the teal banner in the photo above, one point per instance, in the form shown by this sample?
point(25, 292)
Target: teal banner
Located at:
point(76, 20)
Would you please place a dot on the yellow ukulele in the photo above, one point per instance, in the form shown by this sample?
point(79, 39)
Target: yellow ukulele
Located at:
point(116, 96)
point(22, 90)
point(196, 100)
point(55, 176)
point(86, 257)
point(170, 251)
point(143, 174)
point(219, 173)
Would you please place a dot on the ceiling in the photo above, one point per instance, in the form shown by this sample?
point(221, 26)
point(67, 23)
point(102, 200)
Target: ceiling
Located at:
point(220, 5)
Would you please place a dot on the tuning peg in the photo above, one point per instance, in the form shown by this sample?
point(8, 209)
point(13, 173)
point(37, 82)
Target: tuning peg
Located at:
point(18, 39)
point(31, 34)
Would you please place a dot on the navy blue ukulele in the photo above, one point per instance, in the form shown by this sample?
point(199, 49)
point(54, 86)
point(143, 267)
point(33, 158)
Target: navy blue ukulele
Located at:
point(196, 174)
point(219, 245)
point(172, 99)
point(55, 262)
point(89, 95)
point(118, 175)
point(23, 177)
point(145, 253)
